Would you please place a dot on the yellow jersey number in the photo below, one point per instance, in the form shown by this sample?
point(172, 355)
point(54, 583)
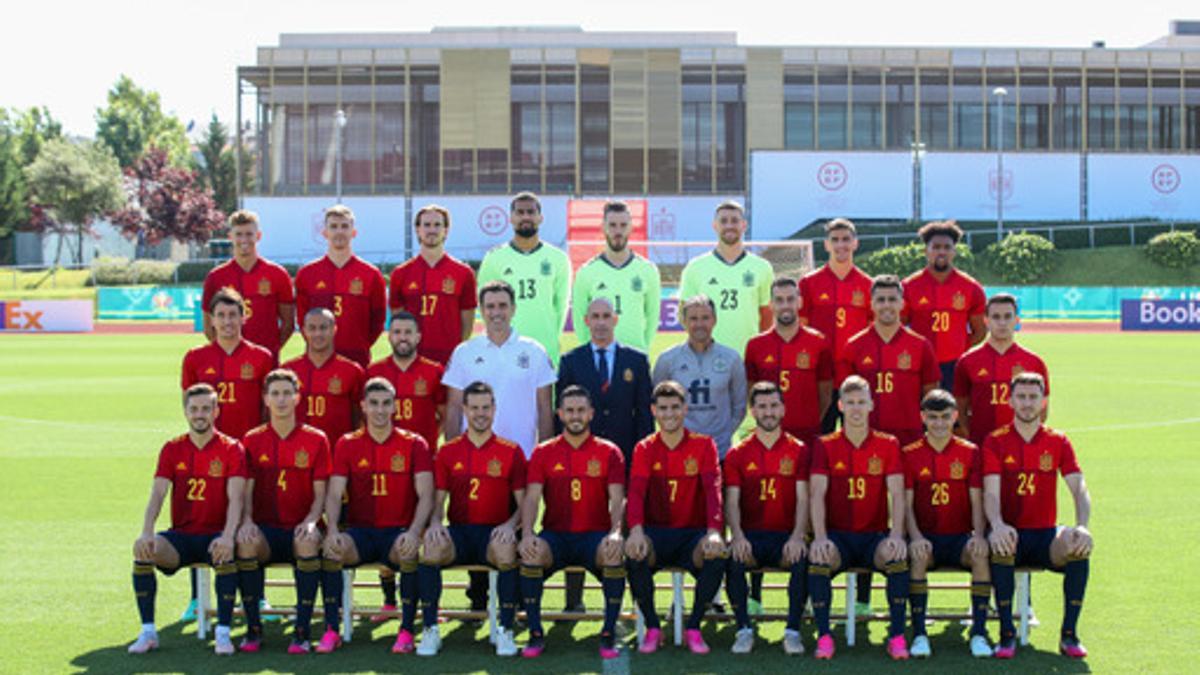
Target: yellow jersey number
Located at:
point(404, 409)
point(1000, 393)
point(428, 304)
point(941, 322)
point(767, 489)
point(226, 392)
point(196, 487)
point(940, 495)
point(379, 485)
point(316, 406)
point(884, 383)
point(858, 488)
point(1026, 484)
point(576, 490)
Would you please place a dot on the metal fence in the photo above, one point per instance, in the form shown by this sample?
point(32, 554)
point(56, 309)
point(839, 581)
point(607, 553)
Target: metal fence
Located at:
point(1073, 236)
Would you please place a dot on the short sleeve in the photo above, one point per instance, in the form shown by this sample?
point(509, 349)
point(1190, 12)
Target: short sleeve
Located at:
point(439, 392)
point(1067, 462)
point(395, 297)
point(991, 461)
point(441, 474)
point(978, 300)
point(165, 468)
point(534, 473)
point(456, 374)
point(422, 459)
point(237, 461)
point(1041, 368)
point(892, 465)
point(616, 466)
point(732, 468)
point(962, 378)
point(322, 466)
point(640, 462)
point(820, 460)
point(975, 472)
point(929, 367)
point(805, 286)
point(283, 282)
point(518, 477)
point(466, 290)
point(187, 375)
point(751, 361)
point(210, 289)
point(764, 284)
point(825, 361)
point(909, 469)
point(803, 460)
point(341, 458)
point(712, 461)
point(546, 374)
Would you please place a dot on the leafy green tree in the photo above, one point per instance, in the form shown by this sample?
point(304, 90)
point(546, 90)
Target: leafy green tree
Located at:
point(70, 185)
point(218, 170)
point(134, 121)
point(14, 201)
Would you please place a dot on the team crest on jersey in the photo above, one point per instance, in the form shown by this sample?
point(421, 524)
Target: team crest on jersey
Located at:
point(301, 459)
point(448, 286)
point(636, 285)
point(546, 268)
point(593, 468)
point(904, 361)
point(627, 375)
point(523, 361)
point(959, 301)
point(420, 387)
point(264, 287)
point(335, 386)
point(802, 360)
point(957, 471)
point(398, 463)
point(858, 299)
point(247, 371)
point(182, 466)
point(748, 279)
point(691, 467)
point(786, 466)
point(495, 468)
point(875, 466)
point(356, 286)
point(216, 468)
point(1046, 462)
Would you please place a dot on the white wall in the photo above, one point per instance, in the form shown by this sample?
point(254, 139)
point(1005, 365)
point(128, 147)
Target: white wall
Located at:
point(1139, 186)
point(1036, 186)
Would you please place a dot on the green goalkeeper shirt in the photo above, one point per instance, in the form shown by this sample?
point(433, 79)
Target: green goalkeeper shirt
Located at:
point(541, 280)
point(738, 289)
point(635, 290)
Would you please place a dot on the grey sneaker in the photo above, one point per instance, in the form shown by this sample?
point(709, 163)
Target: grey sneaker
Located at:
point(980, 648)
point(222, 643)
point(920, 648)
point(506, 645)
point(792, 644)
point(744, 642)
point(146, 641)
point(431, 642)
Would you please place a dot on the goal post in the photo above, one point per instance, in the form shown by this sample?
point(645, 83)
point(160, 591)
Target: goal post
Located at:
point(790, 257)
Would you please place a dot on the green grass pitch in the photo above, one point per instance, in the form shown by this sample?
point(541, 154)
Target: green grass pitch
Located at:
point(82, 418)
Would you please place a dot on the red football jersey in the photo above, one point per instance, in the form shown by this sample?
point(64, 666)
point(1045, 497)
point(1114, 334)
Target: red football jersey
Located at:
point(237, 377)
point(857, 497)
point(437, 295)
point(329, 393)
point(357, 295)
point(939, 310)
point(419, 394)
point(941, 483)
point(381, 477)
point(671, 483)
point(1028, 494)
point(480, 480)
point(283, 470)
point(264, 288)
point(796, 365)
point(767, 479)
point(897, 371)
point(838, 308)
point(199, 498)
point(575, 482)
point(984, 376)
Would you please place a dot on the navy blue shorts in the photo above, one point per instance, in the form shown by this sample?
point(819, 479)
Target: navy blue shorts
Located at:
point(767, 547)
point(856, 549)
point(374, 543)
point(573, 549)
point(279, 541)
point(947, 550)
point(947, 369)
point(1033, 547)
point(470, 543)
point(673, 546)
point(192, 548)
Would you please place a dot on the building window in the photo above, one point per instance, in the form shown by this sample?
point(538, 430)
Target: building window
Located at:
point(1164, 111)
point(560, 131)
point(1034, 108)
point(1101, 110)
point(967, 90)
point(389, 129)
point(458, 167)
point(866, 112)
point(491, 167)
point(799, 96)
point(424, 138)
point(1067, 106)
point(901, 89)
point(594, 128)
point(935, 108)
point(526, 121)
point(1134, 112)
point(1191, 109)
point(832, 94)
point(697, 128)
point(730, 122)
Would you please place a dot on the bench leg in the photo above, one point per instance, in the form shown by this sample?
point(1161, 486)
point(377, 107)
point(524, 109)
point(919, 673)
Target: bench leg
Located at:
point(493, 605)
point(677, 607)
point(204, 601)
point(347, 605)
point(851, 618)
point(639, 625)
point(1023, 602)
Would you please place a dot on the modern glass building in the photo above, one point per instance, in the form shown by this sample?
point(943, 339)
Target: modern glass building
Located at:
point(566, 111)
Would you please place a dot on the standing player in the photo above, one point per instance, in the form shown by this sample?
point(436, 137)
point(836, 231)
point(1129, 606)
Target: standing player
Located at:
point(766, 506)
point(352, 288)
point(674, 514)
point(737, 279)
point(205, 471)
point(856, 475)
point(287, 469)
point(583, 481)
point(235, 367)
point(386, 476)
point(420, 396)
point(1020, 461)
point(943, 479)
point(266, 287)
point(330, 384)
point(944, 305)
point(540, 274)
point(435, 286)
point(484, 477)
point(627, 279)
point(983, 375)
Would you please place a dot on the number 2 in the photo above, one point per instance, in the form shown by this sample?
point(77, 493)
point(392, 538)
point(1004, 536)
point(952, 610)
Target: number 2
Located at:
point(941, 494)
point(999, 393)
point(729, 298)
point(1026, 485)
point(474, 494)
point(941, 322)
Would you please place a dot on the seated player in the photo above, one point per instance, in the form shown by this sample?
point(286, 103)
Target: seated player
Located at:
point(205, 472)
point(855, 476)
point(484, 476)
point(582, 479)
point(943, 480)
point(386, 475)
point(1020, 497)
point(766, 506)
point(674, 514)
point(288, 466)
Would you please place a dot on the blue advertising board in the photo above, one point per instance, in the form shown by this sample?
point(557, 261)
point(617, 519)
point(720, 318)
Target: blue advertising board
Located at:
point(1160, 315)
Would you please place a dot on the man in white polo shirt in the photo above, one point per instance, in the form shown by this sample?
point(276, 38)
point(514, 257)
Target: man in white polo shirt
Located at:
point(515, 366)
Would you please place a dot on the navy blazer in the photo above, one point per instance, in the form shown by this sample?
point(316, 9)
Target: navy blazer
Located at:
point(623, 411)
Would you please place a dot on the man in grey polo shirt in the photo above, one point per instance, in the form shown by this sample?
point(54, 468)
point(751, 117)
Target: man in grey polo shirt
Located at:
point(713, 375)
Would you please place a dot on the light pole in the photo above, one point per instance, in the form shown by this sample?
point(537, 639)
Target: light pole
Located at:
point(339, 124)
point(918, 154)
point(999, 93)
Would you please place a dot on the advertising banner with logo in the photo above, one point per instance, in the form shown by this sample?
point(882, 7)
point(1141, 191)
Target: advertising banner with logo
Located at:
point(789, 190)
point(480, 223)
point(291, 227)
point(1036, 186)
point(1160, 315)
point(46, 316)
point(1143, 186)
point(177, 303)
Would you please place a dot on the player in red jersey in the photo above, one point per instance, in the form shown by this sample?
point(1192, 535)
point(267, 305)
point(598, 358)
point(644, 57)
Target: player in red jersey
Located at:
point(766, 506)
point(898, 363)
point(835, 299)
point(798, 358)
point(234, 366)
point(582, 478)
point(205, 472)
point(944, 305)
point(420, 395)
point(266, 287)
point(484, 477)
point(675, 514)
point(287, 469)
point(855, 476)
point(983, 375)
point(330, 384)
point(435, 286)
point(386, 476)
point(1020, 497)
point(943, 479)
point(351, 287)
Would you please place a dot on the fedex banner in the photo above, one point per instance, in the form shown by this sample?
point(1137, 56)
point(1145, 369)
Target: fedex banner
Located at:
point(1143, 186)
point(45, 316)
point(965, 185)
point(1160, 315)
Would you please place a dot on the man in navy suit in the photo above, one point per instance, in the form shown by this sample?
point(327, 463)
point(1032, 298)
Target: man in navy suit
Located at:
point(618, 378)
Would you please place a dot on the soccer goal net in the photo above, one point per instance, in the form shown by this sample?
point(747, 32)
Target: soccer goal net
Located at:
point(790, 257)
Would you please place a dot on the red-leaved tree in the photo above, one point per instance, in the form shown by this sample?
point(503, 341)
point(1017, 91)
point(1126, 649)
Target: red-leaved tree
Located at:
point(165, 202)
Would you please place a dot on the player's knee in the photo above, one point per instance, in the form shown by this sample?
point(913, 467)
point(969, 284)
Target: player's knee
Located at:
point(436, 553)
point(305, 547)
point(609, 556)
point(502, 555)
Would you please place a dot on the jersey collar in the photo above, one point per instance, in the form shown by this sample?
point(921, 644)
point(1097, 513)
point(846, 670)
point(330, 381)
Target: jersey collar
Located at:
point(725, 262)
point(531, 251)
point(627, 263)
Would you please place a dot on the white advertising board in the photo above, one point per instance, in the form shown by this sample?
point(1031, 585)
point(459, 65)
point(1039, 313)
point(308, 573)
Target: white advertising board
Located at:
point(964, 184)
point(46, 316)
point(1143, 186)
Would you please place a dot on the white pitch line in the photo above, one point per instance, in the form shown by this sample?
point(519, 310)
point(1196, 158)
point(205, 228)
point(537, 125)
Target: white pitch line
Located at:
point(59, 424)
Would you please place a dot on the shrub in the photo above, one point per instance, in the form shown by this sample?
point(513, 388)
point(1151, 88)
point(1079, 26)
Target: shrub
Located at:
point(1178, 250)
point(1021, 258)
point(194, 271)
point(112, 271)
point(157, 272)
point(904, 260)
